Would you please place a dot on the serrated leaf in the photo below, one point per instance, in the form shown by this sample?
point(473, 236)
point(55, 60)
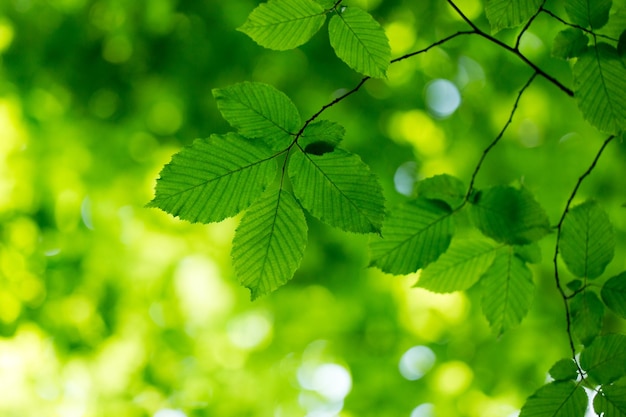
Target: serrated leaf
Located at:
point(413, 235)
point(599, 85)
point(610, 401)
point(557, 399)
point(507, 291)
point(510, 13)
point(284, 24)
point(460, 267)
point(360, 42)
point(605, 359)
point(569, 43)
point(614, 294)
point(269, 242)
point(509, 215)
point(530, 253)
point(589, 13)
point(587, 312)
point(563, 370)
point(339, 189)
point(444, 187)
point(214, 178)
point(587, 240)
point(322, 131)
point(259, 111)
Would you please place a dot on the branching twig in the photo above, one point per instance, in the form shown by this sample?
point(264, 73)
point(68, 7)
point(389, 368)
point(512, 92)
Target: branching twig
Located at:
point(554, 16)
point(527, 25)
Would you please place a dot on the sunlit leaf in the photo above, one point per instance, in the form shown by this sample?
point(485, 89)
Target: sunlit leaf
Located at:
point(460, 267)
point(610, 401)
point(214, 178)
point(614, 294)
point(587, 312)
point(507, 291)
point(284, 24)
point(599, 85)
point(360, 41)
point(509, 13)
point(442, 187)
point(558, 399)
point(509, 215)
point(322, 131)
point(269, 242)
point(569, 43)
point(587, 240)
point(605, 359)
point(339, 189)
point(588, 13)
point(260, 111)
point(563, 370)
point(413, 235)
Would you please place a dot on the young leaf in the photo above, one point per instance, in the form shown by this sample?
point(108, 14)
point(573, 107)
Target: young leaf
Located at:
point(460, 267)
point(614, 294)
point(269, 242)
point(557, 399)
point(510, 216)
point(507, 291)
point(360, 42)
point(284, 24)
point(605, 359)
point(587, 240)
point(259, 111)
point(510, 13)
point(569, 43)
point(599, 85)
point(610, 401)
point(588, 13)
point(322, 131)
point(563, 370)
point(339, 189)
point(214, 178)
point(444, 187)
point(587, 312)
point(413, 235)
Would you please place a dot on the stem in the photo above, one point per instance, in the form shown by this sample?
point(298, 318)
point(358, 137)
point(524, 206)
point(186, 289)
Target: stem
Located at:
point(590, 32)
point(525, 28)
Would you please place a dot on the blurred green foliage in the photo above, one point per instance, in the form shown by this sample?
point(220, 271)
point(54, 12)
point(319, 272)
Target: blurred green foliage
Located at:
point(109, 308)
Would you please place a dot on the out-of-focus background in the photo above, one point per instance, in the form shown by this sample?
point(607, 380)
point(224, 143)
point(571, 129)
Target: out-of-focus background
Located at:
point(111, 309)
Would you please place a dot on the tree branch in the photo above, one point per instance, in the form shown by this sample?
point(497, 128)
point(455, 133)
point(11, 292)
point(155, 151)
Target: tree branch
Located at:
point(527, 25)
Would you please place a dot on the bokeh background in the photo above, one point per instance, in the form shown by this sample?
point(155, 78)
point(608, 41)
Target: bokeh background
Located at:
point(111, 309)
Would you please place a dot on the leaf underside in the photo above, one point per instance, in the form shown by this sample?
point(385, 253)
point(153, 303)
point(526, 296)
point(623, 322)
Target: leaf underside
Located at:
point(558, 399)
point(510, 13)
point(588, 13)
point(605, 359)
point(442, 187)
point(569, 43)
point(614, 294)
point(611, 401)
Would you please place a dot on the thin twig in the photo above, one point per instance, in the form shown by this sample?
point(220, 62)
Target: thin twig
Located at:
point(591, 32)
point(527, 25)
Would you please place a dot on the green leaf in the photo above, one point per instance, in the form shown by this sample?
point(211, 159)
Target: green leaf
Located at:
point(614, 294)
point(214, 178)
point(605, 359)
point(269, 242)
point(444, 187)
point(616, 24)
point(360, 42)
point(569, 43)
point(599, 85)
point(621, 45)
point(322, 131)
point(509, 215)
point(587, 312)
point(413, 235)
point(610, 401)
point(589, 13)
point(530, 253)
point(587, 240)
point(557, 399)
point(460, 267)
point(259, 111)
point(507, 291)
point(510, 13)
point(575, 285)
point(284, 24)
point(339, 189)
point(563, 370)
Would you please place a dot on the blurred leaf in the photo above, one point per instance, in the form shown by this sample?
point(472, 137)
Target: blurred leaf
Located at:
point(569, 43)
point(413, 235)
point(587, 312)
point(599, 83)
point(610, 401)
point(563, 370)
point(614, 294)
point(575, 285)
point(360, 42)
point(259, 111)
point(444, 187)
point(510, 13)
point(214, 178)
point(322, 131)
point(558, 399)
point(587, 240)
point(460, 267)
point(530, 253)
point(339, 189)
point(621, 45)
point(589, 13)
point(269, 243)
point(507, 291)
point(509, 215)
point(284, 24)
point(605, 359)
